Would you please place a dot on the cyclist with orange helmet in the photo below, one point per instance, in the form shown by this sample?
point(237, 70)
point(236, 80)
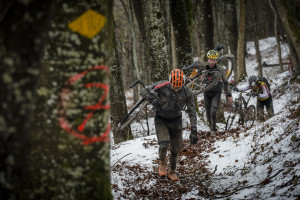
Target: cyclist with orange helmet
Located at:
point(173, 96)
point(212, 96)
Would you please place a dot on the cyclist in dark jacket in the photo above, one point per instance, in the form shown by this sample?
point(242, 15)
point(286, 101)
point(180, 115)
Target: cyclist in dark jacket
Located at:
point(263, 93)
point(173, 96)
point(212, 97)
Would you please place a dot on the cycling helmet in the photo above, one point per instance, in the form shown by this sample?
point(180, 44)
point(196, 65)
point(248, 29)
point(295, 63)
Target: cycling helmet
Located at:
point(252, 80)
point(176, 78)
point(213, 54)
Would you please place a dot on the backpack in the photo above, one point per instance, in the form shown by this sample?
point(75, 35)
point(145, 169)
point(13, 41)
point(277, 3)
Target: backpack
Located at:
point(263, 79)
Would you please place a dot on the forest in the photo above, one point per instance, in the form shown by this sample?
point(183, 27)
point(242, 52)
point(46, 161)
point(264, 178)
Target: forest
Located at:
point(66, 69)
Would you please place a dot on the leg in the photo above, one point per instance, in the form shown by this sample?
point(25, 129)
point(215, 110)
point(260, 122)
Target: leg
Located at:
point(269, 106)
point(175, 145)
point(162, 133)
point(260, 110)
point(213, 112)
point(207, 105)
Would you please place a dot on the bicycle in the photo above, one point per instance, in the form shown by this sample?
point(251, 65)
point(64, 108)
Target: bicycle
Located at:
point(136, 109)
point(240, 108)
point(204, 79)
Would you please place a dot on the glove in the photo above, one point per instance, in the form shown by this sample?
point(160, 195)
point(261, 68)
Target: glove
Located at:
point(254, 94)
point(194, 137)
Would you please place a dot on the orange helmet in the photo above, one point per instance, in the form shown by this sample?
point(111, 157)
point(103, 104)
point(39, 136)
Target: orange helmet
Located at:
point(176, 78)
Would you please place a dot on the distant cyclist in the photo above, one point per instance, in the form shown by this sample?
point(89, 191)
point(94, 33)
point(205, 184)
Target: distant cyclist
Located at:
point(212, 96)
point(173, 96)
point(260, 88)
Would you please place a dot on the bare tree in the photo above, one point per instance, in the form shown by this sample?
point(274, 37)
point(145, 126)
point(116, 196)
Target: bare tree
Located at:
point(181, 32)
point(70, 156)
point(290, 25)
point(241, 42)
point(252, 11)
point(21, 47)
point(206, 27)
point(117, 97)
point(231, 23)
point(277, 35)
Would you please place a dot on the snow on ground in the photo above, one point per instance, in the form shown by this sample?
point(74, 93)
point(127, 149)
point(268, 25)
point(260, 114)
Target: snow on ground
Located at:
point(260, 163)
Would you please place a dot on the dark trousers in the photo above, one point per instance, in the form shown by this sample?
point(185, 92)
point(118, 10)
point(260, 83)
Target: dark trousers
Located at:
point(211, 103)
point(169, 131)
point(260, 108)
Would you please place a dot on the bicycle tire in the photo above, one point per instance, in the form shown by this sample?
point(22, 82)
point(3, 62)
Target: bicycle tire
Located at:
point(231, 117)
point(249, 116)
point(132, 116)
point(203, 86)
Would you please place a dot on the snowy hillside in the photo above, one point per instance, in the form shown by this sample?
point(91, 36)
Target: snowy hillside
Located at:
point(260, 163)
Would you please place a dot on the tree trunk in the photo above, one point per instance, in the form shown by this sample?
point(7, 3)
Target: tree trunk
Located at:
point(277, 35)
point(117, 98)
point(255, 37)
point(70, 136)
point(155, 40)
point(231, 23)
point(289, 23)
point(206, 27)
point(181, 32)
point(241, 42)
point(21, 47)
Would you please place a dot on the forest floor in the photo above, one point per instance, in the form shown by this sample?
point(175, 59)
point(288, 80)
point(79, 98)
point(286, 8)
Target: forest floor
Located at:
point(259, 163)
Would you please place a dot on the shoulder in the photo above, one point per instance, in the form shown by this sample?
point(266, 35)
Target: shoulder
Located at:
point(187, 90)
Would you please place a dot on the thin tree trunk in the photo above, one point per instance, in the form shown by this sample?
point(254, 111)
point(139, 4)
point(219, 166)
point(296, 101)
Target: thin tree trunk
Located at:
point(231, 22)
point(290, 26)
point(117, 98)
point(241, 42)
point(70, 136)
point(21, 47)
point(277, 35)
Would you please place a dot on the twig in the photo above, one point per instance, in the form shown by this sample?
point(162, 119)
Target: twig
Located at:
point(119, 160)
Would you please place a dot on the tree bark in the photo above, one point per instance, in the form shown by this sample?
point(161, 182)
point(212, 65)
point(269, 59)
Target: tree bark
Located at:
point(289, 23)
point(277, 35)
point(155, 40)
point(206, 27)
point(70, 157)
point(231, 23)
point(21, 47)
point(241, 42)
point(181, 32)
point(117, 98)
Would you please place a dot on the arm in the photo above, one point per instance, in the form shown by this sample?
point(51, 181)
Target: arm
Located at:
point(226, 86)
point(265, 92)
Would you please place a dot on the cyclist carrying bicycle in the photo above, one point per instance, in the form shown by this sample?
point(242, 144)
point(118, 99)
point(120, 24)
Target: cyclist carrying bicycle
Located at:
point(173, 96)
point(261, 89)
point(212, 96)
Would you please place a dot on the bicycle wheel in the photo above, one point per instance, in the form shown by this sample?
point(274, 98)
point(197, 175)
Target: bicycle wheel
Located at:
point(133, 113)
point(200, 86)
point(249, 116)
point(231, 117)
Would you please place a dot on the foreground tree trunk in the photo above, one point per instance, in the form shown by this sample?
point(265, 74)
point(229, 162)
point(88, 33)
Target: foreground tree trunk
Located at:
point(181, 32)
point(70, 156)
point(21, 47)
point(241, 42)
